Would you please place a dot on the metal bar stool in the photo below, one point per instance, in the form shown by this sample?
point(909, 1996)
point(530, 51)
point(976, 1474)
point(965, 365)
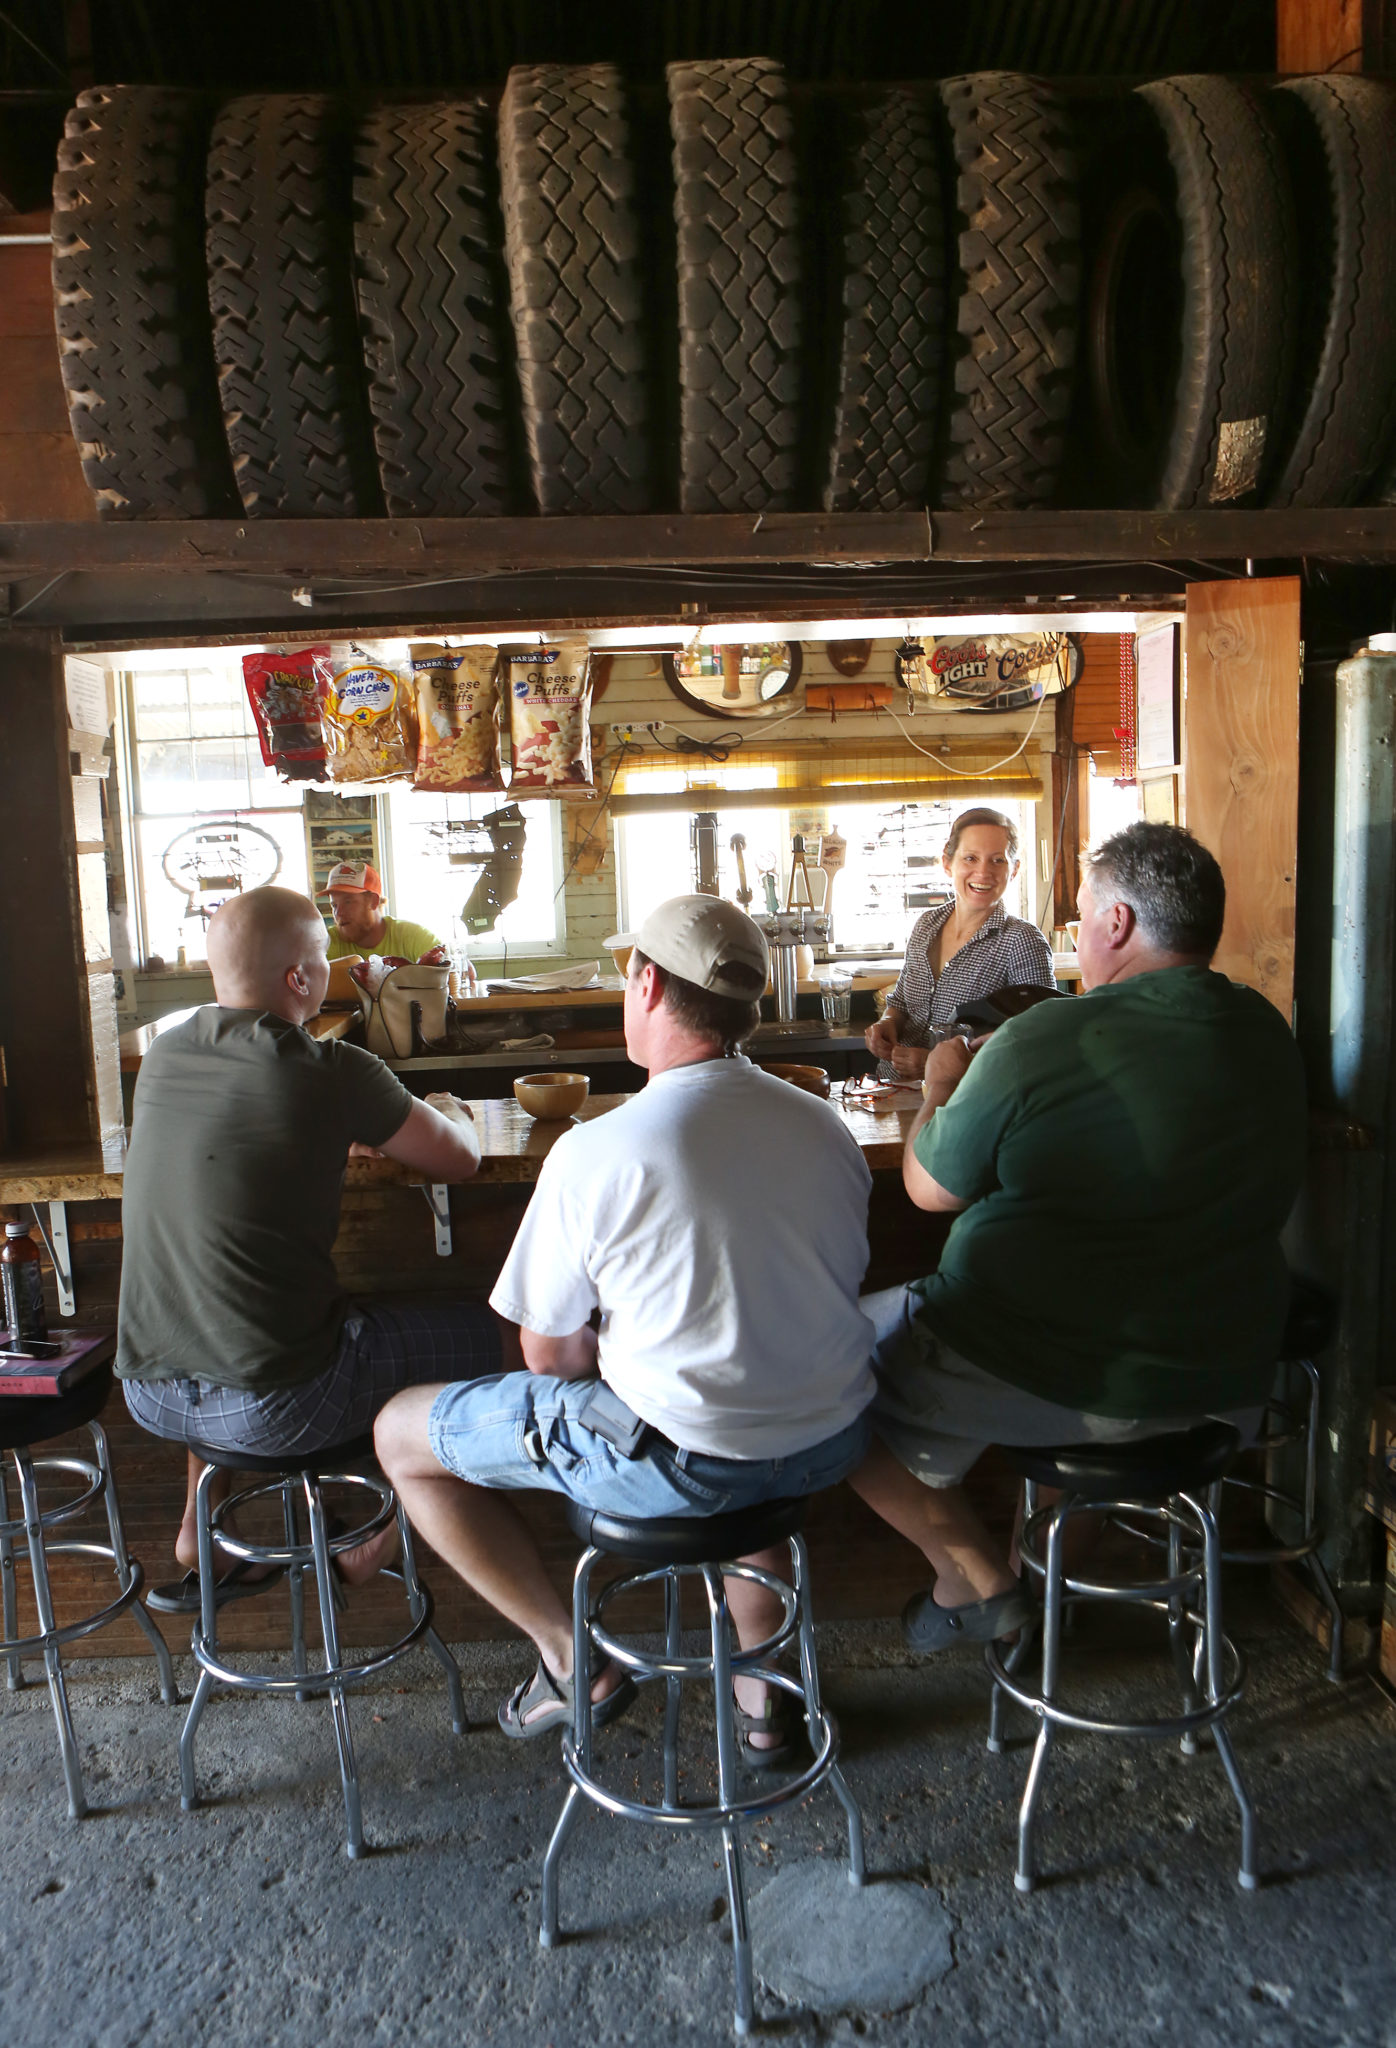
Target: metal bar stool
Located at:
point(298, 1480)
point(695, 1546)
point(1310, 1327)
point(24, 1422)
point(1172, 1481)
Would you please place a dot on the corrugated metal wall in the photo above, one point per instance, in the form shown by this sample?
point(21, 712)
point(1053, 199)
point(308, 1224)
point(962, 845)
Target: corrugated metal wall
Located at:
point(431, 43)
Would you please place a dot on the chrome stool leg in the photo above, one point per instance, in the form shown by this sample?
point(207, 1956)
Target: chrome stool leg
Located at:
point(673, 1687)
point(169, 1692)
point(417, 1607)
point(814, 1709)
point(295, 1578)
point(1317, 1570)
point(1024, 1877)
point(9, 1604)
point(719, 1623)
point(339, 1709)
point(1247, 1875)
point(548, 1934)
point(207, 1634)
point(53, 1663)
point(1184, 1662)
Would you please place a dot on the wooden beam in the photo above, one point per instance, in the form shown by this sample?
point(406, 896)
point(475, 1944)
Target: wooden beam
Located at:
point(447, 550)
point(1241, 767)
point(923, 789)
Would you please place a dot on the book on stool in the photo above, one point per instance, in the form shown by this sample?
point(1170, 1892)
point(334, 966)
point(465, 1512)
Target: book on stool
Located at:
point(51, 1366)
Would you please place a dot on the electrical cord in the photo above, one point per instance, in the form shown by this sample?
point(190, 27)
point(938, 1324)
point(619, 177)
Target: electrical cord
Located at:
point(970, 774)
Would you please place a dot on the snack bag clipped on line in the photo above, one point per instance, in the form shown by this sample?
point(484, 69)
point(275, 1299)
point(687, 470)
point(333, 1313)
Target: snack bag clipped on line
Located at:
point(287, 689)
point(549, 707)
point(370, 719)
point(458, 717)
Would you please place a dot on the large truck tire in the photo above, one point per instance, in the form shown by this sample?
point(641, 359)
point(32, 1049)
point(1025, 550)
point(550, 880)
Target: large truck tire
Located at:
point(285, 326)
point(1339, 139)
point(890, 340)
point(576, 287)
point(739, 286)
point(431, 308)
point(1019, 265)
point(131, 307)
point(1237, 251)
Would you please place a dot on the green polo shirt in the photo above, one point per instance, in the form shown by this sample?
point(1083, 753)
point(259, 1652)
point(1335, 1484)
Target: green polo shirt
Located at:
point(1130, 1157)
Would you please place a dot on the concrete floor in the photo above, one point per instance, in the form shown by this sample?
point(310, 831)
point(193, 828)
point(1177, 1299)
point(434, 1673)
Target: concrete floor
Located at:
point(245, 1922)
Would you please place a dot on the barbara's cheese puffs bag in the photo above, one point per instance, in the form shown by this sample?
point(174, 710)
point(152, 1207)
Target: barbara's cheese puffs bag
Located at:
point(549, 704)
point(457, 716)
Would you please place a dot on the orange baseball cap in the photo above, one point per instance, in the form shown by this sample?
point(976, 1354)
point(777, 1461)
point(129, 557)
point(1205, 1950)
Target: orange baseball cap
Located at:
point(363, 881)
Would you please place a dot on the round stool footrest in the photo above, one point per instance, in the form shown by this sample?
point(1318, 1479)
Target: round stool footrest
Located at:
point(50, 1518)
point(314, 1681)
point(715, 1815)
point(647, 1664)
point(283, 1553)
point(1174, 1725)
point(73, 1631)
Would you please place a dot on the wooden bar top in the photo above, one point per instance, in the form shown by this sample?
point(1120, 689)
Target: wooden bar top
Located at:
point(513, 1147)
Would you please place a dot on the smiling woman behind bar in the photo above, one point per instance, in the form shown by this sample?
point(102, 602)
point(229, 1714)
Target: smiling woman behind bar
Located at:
point(961, 949)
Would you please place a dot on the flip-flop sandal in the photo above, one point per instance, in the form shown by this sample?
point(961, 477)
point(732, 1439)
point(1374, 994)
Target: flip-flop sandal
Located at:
point(555, 1700)
point(928, 1627)
point(181, 1596)
point(774, 1719)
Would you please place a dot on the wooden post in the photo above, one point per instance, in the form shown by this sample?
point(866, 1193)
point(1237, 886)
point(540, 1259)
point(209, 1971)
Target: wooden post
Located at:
point(1241, 767)
point(45, 1010)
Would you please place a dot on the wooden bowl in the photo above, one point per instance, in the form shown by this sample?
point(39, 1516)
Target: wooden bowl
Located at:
point(551, 1097)
point(814, 1080)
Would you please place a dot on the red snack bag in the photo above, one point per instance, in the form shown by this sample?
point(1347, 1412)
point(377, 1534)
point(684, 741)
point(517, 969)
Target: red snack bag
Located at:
point(286, 691)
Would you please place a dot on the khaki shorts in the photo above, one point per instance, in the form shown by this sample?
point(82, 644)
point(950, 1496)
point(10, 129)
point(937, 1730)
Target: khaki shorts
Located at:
point(938, 1413)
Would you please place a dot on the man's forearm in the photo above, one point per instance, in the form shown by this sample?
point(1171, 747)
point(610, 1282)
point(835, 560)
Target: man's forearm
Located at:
point(561, 1358)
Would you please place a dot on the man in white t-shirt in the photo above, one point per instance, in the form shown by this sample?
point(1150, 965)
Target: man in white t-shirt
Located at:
point(718, 1223)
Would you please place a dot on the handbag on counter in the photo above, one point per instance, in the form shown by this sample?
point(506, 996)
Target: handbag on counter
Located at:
point(387, 1010)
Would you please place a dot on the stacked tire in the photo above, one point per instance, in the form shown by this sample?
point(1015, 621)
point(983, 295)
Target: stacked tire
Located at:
point(968, 295)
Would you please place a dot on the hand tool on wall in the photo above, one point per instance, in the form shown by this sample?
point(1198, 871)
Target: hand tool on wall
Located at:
point(738, 845)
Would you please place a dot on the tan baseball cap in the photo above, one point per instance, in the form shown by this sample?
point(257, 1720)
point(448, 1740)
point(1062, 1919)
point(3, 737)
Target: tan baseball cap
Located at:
point(699, 938)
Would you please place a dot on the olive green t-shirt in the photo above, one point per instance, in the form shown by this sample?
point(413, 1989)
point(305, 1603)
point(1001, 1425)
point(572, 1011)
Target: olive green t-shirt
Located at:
point(407, 941)
point(1130, 1157)
point(230, 1203)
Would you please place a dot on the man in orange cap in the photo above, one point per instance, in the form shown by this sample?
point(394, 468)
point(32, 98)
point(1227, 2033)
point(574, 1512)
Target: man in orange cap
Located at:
point(356, 894)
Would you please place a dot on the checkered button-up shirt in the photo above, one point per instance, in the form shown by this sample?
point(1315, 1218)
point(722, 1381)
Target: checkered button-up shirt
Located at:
point(1005, 951)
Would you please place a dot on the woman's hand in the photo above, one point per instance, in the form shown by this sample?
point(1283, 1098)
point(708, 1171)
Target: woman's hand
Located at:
point(909, 1061)
point(880, 1038)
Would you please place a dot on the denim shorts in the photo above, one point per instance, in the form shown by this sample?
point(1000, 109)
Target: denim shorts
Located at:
point(528, 1432)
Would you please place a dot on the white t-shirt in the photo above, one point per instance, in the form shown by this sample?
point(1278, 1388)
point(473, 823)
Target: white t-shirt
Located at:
point(720, 1221)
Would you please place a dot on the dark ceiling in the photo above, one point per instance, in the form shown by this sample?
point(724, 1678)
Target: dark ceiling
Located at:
point(428, 44)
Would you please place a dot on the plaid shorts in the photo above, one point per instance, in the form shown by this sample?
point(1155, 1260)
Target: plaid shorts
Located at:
point(383, 1347)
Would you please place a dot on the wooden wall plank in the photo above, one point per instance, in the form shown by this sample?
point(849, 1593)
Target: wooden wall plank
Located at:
point(1318, 35)
point(1241, 766)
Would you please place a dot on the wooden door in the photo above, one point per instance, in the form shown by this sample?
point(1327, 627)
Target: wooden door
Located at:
point(1240, 726)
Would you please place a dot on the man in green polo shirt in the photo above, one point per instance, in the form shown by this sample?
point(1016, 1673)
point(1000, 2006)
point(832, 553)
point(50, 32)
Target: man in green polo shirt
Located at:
point(1122, 1165)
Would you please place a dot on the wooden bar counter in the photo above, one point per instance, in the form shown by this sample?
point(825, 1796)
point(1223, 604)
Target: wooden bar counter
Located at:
point(387, 1245)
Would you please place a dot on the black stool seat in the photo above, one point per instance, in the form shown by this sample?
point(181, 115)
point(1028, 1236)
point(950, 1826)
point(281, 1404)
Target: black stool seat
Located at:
point(33, 1421)
point(1311, 1321)
point(688, 1539)
point(1182, 1461)
point(283, 1464)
